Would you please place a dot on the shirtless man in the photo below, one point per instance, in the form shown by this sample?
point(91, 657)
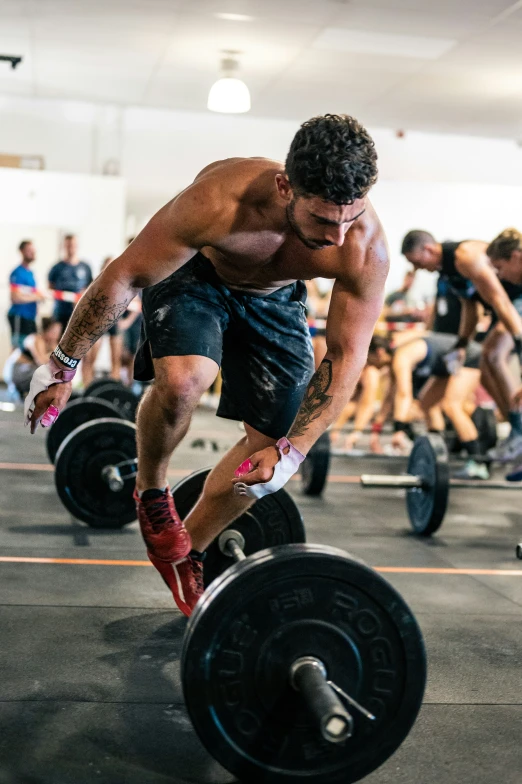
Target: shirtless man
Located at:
point(221, 266)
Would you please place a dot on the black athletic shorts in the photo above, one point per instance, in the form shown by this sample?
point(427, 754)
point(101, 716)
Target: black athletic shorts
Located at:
point(262, 343)
point(439, 344)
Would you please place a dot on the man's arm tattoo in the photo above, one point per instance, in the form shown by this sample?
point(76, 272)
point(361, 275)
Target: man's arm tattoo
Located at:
point(316, 399)
point(93, 316)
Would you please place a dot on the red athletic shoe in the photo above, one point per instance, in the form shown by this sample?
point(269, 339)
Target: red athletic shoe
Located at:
point(185, 580)
point(165, 535)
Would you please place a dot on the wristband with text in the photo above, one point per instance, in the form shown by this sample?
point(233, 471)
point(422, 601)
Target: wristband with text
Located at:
point(60, 355)
point(377, 427)
point(399, 427)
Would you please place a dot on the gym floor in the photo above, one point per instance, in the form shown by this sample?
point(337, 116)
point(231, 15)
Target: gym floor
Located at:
point(89, 654)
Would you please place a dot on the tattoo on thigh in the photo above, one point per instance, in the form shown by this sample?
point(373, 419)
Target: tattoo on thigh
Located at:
point(316, 399)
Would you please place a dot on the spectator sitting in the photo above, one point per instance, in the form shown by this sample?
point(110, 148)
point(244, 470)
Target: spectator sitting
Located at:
point(34, 351)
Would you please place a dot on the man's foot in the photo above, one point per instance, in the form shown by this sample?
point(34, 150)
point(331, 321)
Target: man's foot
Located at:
point(508, 449)
point(515, 475)
point(185, 580)
point(166, 537)
point(473, 470)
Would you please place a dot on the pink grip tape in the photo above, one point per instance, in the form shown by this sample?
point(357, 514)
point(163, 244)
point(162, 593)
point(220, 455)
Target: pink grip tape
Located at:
point(244, 468)
point(50, 416)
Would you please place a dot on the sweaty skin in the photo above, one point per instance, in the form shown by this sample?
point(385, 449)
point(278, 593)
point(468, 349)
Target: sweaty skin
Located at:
point(243, 215)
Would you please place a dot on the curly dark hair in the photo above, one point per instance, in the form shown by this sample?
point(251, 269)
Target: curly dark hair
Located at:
point(332, 157)
point(503, 246)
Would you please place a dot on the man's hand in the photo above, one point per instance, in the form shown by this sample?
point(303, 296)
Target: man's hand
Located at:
point(48, 394)
point(57, 396)
point(268, 470)
point(258, 468)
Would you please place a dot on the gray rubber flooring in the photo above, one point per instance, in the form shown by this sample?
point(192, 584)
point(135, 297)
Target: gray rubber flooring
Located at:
point(89, 654)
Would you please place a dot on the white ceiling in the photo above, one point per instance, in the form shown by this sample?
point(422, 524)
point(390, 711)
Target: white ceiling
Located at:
point(165, 53)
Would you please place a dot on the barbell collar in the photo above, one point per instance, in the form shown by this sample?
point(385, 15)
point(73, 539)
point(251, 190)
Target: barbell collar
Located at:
point(308, 676)
point(112, 475)
point(406, 481)
point(232, 543)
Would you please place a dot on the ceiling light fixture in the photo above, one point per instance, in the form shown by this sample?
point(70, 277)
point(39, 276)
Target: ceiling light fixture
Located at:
point(235, 17)
point(229, 94)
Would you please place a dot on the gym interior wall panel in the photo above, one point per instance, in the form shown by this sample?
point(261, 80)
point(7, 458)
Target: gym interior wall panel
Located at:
point(43, 206)
point(449, 210)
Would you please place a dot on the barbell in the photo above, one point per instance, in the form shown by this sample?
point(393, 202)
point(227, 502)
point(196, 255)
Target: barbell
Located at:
point(428, 482)
point(299, 662)
point(314, 470)
point(95, 468)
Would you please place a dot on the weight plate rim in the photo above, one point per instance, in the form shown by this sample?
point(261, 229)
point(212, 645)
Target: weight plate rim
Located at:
point(287, 509)
point(99, 382)
point(81, 428)
point(437, 444)
point(406, 628)
point(77, 403)
point(61, 483)
point(129, 401)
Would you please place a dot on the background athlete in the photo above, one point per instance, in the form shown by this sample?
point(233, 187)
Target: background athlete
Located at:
point(221, 266)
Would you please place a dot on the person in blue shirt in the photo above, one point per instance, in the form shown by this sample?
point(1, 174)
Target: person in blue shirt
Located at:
point(24, 296)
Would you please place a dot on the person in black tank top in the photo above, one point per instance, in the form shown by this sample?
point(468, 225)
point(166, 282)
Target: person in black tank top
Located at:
point(468, 269)
point(505, 252)
point(447, 309)
point(469, 274)
point(419, 366)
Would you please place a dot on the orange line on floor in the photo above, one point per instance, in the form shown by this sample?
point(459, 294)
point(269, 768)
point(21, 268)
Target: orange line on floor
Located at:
point(172, 472)
point(428, 570)
point(382, 569)
point(26, 467)
point(73, 561)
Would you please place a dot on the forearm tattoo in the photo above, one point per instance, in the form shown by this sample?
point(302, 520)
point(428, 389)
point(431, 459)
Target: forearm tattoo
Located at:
point(93, 316)
point(316, 399)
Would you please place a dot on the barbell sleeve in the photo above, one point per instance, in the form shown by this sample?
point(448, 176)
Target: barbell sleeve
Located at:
point(308, 677)
point(235, 550)
point(112, 475)
point(232, 543)
point(408, 481)
point(384, 480)
point(475, 484)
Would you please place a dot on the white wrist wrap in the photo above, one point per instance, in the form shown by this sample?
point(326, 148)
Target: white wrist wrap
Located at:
point(44, 377)
point(286, 467)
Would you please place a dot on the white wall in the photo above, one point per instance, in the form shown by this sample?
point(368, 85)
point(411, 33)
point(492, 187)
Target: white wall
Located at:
point(449, 210)
point(44, 206)
point(159, 152)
